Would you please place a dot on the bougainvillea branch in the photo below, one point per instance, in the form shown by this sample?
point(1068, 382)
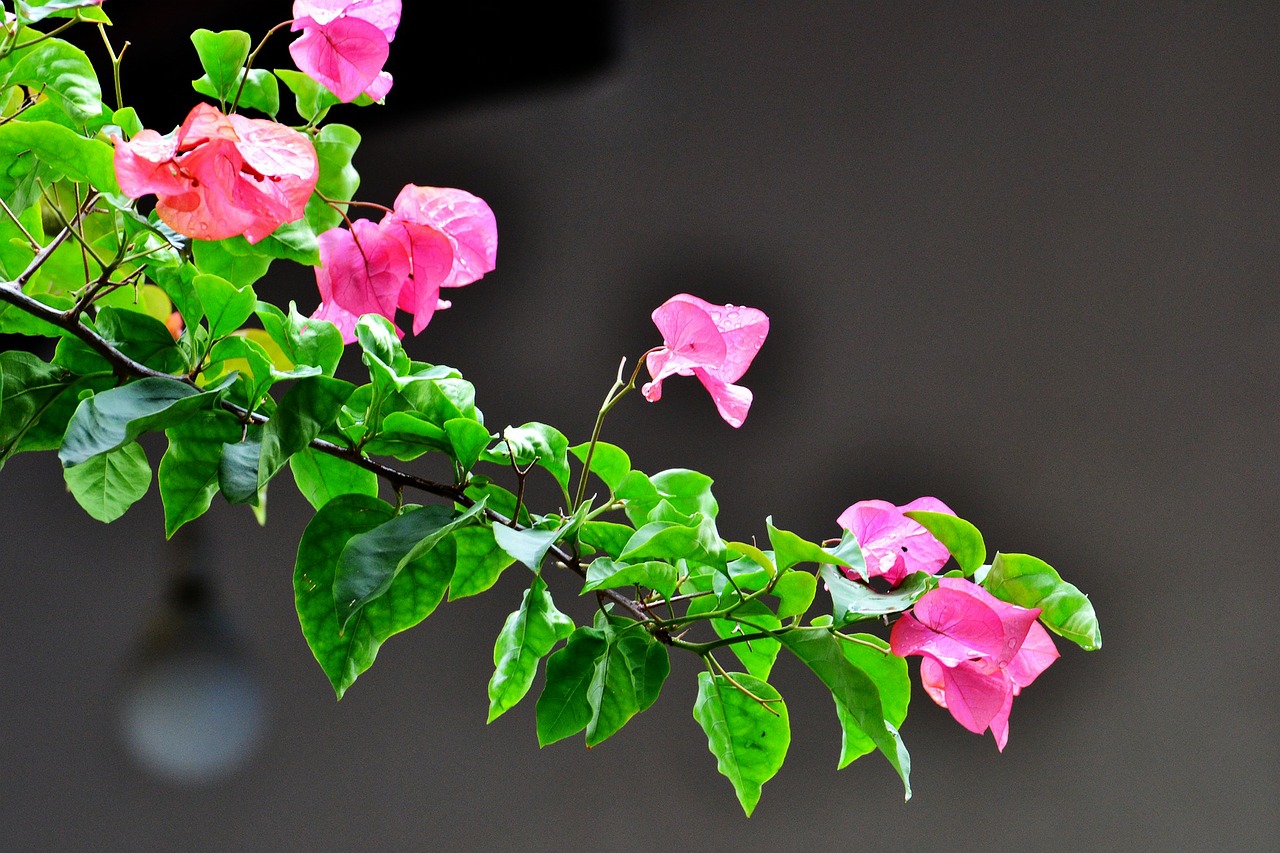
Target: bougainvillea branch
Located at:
point(151, 284)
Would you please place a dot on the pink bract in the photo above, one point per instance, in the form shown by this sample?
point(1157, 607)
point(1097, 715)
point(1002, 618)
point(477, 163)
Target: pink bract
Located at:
point(715, 343)
point(345, 44)
point(220, 176)
point(434, 237)
point(976, 652)
point(893, 545)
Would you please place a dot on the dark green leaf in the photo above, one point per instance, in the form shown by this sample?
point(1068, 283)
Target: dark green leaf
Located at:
point(370, 562)
point(142, 338)
point(749, 740)
point(527, 636)
point(260, 92)
point(1030, 582)
point(611, 696)
point(889, 672)
point(649, 665)
point(854, 690)
point(854, 601)
point(960, 537)
point(563, 709)
point(105, 421)
point(28, 387)
point(412, 596)
point(468, 438)
point(188, 473)
point(238, 469)
point(311, 405)
point(321, 477)
point(108, 484)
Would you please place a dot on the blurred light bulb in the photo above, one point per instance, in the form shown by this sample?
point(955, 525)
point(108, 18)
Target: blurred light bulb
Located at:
point(192, 710)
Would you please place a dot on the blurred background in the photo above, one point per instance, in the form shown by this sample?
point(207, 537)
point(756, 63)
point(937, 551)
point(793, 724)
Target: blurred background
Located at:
point(1018, 256)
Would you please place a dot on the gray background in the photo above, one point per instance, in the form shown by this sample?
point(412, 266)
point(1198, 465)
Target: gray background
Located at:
point(1018, 256)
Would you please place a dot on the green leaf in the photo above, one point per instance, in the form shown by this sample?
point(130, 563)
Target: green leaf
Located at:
point(303, 340)
point(854, 690)
point(605, 536)
point(1030, 582)
point(238, 469)
point(215, 258)
point(854, 601)
point(238, 354)
point(412, 596)
point(795, 591)
point(749, 740)
point(604, 573)
point(221, 55)
point(28, 387)
point(226, 306)
point(527, 546)
point(688, 491)
point(563, 709)
point(312, 99)
point(370, 562)
point(335, 146)
point(188, 473)
point(611, 695)
point(789, 549)
point(480, 561)
point(960, 537)
point(105, 421)
point(23, 143)
point(142, 338)
point(534, 443)
point(871, 655)
point(15, 321)
point(108, 484)
point(609, 462)
point(311, 405)
point(527, 636)
point(64, 74)
point(668, 541)
point(261, 91)
point(757, 656)
point(322, 477)
point(469, 439)
point(851, 553)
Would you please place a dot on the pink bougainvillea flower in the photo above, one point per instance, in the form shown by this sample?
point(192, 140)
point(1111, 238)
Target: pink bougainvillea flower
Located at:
point(434, 237)
point(715, 343)
point(218, 176)
point(345, 43)
point(976, 652)
point(893, 545)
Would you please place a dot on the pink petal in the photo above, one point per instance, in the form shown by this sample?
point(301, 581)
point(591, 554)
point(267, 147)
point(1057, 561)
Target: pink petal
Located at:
point(338, 316)
point(893, 545)
point(732, 401)
point(466, 220)
point(742, 329)
point(975, 698)
point(380, 86)
point(1037, 652)
point(345, 55)
point(366, 276)
point(950, 626)
point(384, 14)
point(143, 165)
point(690, 338)
point(1000, 722)
point(430, 256)
point(1015, 620)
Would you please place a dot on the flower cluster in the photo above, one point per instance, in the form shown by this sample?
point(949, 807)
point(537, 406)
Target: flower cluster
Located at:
point(715, 343)
point(432, 238)
point(219, 176)
point(345, 43)
point(977, 652)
